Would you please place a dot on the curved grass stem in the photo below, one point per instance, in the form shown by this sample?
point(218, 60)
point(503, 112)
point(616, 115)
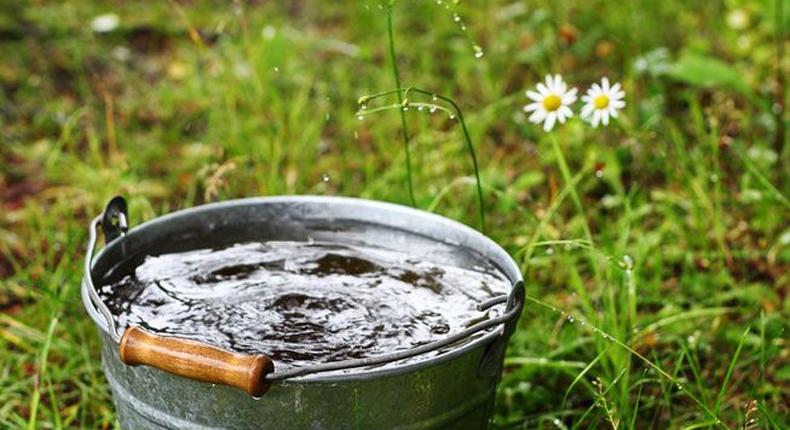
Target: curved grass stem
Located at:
point(402, 94)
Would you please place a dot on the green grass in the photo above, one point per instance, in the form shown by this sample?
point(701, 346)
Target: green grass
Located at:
point(655, 251)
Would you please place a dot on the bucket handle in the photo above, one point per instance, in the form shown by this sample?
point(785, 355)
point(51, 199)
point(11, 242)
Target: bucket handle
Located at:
point(179, 356)
point(196, 360)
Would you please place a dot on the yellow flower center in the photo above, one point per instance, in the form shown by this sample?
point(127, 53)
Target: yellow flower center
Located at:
point(601, 101)
point(552, 102)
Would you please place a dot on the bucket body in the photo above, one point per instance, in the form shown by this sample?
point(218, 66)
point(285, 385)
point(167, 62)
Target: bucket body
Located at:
point(451, 388)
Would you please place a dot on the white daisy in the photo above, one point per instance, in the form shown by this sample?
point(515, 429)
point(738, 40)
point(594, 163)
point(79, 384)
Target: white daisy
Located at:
point(602, 102)
point(550, 102)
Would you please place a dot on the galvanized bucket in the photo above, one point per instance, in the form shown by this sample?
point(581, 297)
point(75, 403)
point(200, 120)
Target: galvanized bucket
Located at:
point(447, 384)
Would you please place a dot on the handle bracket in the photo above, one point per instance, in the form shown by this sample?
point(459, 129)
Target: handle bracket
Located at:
point(114, 221)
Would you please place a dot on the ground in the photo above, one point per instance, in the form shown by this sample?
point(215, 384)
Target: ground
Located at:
point(655, 259)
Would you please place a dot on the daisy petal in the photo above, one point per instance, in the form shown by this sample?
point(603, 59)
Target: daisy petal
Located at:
point(596, 118)
point(605, 117)
point(542, 89)
point(549, 124)
point(605, 84)
point(532, 106)
point(532, 95)
point(587, 110)
point(569, 97)
point(537, 116)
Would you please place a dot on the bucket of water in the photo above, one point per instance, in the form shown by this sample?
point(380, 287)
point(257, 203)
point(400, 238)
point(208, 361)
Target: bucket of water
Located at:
point(300, 312)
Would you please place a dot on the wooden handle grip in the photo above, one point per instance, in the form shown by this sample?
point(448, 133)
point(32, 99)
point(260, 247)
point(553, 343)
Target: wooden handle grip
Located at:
point(196, 360)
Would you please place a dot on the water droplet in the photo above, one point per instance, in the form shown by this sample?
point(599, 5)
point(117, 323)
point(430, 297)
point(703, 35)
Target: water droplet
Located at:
point(599, 173)
point(325, 178)
point(478, 51)
point(276, 69)
point(434, 97)
point(432, 109)
point(452, 116)
point(570, 319)
point(628, 262)
point(360, 117)
point(456, 17)
point(268, 32)
point(549, 251)
point(680, 387)
point(419, 108)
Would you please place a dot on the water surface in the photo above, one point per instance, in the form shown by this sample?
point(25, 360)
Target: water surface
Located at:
point(303, 302)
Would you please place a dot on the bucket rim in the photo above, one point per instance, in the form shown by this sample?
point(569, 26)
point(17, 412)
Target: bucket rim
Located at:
point(505, 264)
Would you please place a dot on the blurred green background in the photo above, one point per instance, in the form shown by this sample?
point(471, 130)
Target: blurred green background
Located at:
point(173, 104)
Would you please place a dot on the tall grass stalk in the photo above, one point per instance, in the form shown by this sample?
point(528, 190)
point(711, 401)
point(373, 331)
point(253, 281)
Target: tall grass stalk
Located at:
point(404, 127)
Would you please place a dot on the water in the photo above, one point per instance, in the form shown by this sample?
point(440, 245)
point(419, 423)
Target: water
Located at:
point(303, 302)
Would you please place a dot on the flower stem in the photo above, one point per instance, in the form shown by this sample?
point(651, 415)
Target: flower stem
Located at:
point(404, 128)
point(566, 177)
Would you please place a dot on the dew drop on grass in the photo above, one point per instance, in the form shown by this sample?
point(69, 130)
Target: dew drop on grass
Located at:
point(434, 98)
point(360, 117)
point(628, 262)
point(276, 69)
point(549, 251)
point(570, 319)
point(325, 178)
point(452, 116)
point(478, 51)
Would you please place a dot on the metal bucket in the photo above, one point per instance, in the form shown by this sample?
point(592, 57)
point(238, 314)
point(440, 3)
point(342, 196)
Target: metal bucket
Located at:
point(447, 384)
